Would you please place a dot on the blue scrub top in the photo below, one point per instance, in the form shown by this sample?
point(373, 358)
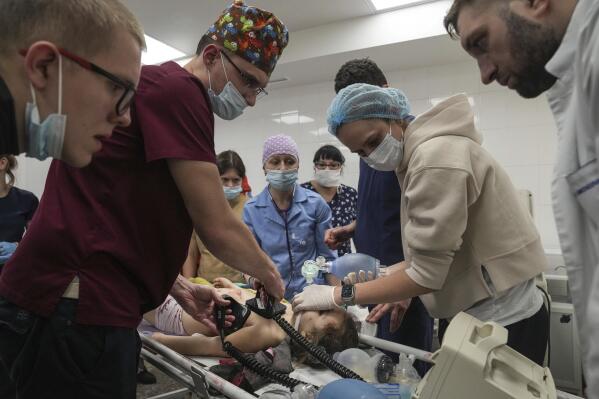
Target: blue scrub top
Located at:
point(16, 211)
point(378, 228)
point(302, 234)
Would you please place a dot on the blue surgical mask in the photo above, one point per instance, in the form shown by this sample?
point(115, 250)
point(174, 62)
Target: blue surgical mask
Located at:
point(282, 180)
point(229, 104)
point(232, 192)
point(45, 139)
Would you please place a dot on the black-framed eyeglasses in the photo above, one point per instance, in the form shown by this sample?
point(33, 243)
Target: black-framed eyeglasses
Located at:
point(128, 88)
point(250, 81)
point(331, 165)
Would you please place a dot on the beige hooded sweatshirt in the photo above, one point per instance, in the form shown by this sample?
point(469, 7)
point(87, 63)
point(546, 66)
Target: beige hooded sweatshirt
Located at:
point(460, 212)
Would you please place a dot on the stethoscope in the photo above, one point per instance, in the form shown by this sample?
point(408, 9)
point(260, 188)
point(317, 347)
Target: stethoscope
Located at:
point(283, 213)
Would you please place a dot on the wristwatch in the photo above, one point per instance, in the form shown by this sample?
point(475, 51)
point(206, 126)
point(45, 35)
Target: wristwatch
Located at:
point(348, 294)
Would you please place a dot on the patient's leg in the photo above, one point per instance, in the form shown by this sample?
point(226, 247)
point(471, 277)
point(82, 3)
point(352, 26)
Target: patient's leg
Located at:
point(150, 317)
point(197, 345)
point(223, 282)
point(170, 318)
point(192, 326)
point(226, 286)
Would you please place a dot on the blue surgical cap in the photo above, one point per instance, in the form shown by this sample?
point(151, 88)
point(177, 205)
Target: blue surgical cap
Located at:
point(363, 101)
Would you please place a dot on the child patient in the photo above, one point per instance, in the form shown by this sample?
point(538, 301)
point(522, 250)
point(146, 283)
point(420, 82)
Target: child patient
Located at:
point(334, 330)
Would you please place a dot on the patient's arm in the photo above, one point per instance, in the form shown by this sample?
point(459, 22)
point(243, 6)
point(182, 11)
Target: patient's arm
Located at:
point(260, 336)
point(249, 339)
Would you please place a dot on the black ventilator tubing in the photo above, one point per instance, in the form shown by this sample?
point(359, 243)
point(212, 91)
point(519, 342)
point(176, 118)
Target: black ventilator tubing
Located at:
point(318, 353)
point(263, 370)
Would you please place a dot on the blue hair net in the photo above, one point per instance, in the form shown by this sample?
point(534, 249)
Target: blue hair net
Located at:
point(363, 101)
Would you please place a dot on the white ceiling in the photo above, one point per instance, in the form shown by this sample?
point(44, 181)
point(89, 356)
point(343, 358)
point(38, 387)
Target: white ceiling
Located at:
point(439, 50)
point(181, 23)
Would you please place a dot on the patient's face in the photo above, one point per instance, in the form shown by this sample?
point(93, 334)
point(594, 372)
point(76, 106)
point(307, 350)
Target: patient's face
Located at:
point(319, 322)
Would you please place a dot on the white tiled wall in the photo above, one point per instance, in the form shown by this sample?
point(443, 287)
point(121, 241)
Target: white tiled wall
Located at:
point(520, 133)
point(31, 174)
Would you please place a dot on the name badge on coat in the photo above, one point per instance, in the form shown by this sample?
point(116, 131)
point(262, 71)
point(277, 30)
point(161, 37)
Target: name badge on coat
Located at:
point(299, 240)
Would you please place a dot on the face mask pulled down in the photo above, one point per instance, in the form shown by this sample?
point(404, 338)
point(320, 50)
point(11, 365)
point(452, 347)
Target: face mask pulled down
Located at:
point(45, 139)
point(387, 156)
point(229, 104)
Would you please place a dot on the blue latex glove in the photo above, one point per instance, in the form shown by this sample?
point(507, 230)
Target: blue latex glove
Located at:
point(6, 250)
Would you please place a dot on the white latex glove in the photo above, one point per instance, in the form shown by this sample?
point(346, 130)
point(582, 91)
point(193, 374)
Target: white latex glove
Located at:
point(361, 277)
point(315, 297)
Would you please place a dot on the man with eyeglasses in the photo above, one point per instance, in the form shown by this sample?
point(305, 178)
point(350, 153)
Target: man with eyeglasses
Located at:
point(108, 241)
point(52, 59)
point(54, 105)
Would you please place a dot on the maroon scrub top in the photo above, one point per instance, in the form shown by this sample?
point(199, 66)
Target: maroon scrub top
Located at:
point(119, 224)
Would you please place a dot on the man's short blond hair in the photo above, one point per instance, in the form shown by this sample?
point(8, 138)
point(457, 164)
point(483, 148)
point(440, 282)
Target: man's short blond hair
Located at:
point(86, 27)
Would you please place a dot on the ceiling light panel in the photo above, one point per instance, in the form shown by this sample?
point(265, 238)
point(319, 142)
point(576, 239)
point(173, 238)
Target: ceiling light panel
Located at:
point(381, 5)
point(158, 52)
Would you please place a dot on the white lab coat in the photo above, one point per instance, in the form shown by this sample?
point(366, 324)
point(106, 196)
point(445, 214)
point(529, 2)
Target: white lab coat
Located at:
point(575, 190)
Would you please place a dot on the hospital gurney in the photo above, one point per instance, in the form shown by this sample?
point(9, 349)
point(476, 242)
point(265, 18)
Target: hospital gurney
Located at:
point(193, 373)
point(473, 362)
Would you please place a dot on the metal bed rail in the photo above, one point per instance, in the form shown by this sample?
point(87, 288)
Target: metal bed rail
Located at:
point(188, 372)
point(197, 379)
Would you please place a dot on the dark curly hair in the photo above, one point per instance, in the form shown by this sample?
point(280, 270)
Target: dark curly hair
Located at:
point(359, 70)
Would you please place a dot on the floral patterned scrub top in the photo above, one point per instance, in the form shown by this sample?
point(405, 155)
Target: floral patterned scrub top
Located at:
point(344, 207)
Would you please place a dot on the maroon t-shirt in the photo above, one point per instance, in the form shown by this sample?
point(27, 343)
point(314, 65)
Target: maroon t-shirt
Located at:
point(119, 224)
